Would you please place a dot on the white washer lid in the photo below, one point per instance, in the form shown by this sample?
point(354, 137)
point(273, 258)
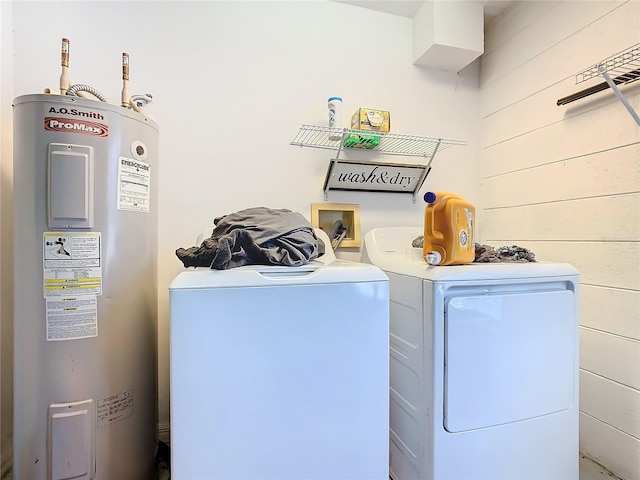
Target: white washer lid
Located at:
point(390, 249)
point(313, 273)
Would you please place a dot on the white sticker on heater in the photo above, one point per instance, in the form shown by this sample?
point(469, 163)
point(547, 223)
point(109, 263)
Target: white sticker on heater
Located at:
point(134, 182)
point(71, 263)
point(71, 318)
point(114, 408)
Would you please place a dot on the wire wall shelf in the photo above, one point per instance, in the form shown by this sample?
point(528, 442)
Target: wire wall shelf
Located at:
point(332, 138)
point(373, 176)
point(619, 69)
point(625, 66)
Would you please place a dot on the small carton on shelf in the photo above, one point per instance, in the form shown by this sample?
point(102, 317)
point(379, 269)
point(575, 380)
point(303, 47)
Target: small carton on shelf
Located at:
point(367, 140)
point(371, 119)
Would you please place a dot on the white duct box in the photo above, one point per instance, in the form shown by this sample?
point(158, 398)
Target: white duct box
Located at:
point(448, 35)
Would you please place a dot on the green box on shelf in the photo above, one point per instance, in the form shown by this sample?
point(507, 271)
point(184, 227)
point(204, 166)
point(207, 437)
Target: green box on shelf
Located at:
point(355, 140)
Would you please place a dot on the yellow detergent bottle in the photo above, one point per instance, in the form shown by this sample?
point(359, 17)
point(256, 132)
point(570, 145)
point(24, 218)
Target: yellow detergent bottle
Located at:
point(448, 229)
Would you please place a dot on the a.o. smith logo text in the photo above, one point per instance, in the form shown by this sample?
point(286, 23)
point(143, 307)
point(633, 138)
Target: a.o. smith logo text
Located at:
point(76, 113)
point(56, 124)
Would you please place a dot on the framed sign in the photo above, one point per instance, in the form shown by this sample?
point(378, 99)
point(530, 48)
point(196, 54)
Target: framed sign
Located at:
point(375, 177)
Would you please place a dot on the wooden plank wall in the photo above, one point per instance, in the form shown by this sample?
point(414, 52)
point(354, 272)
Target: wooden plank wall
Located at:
point(565, 182)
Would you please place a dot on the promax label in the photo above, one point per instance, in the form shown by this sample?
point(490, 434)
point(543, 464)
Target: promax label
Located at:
point(56, 124)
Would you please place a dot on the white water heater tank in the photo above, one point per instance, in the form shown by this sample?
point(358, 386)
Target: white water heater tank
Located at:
point(85, 290)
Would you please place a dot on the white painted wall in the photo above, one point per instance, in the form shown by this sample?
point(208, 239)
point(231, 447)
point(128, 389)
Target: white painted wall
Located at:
point(2, 143)
point(565, 182)
point(232, 81)
point(6, 242)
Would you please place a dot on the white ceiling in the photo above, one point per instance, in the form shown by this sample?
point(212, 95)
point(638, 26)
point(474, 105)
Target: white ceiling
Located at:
point(407, 8)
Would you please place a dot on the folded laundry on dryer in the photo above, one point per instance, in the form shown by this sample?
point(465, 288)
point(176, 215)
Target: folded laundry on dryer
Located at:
point(258, 235)
point(489, 254)
point(513, 253)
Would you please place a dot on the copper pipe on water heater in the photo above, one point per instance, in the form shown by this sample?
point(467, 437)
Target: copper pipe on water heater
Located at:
point(64, 62)
point(125, 80)
point(65, 83)
point(125, 99)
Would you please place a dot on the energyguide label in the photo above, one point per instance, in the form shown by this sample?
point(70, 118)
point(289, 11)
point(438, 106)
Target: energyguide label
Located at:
point(134, 181)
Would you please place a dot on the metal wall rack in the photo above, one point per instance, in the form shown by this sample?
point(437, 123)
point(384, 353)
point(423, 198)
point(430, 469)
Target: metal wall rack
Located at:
point(625, 68)
point(332, 138)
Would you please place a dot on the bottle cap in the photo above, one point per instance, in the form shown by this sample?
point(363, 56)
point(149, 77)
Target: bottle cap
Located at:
point(334, 98)
point(433, 258)
point(430, 197)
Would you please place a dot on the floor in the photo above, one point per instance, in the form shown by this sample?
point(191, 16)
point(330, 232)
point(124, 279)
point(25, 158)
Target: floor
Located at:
point(588, 471)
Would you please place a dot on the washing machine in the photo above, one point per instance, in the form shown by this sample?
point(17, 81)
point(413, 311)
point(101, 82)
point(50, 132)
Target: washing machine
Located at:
point(483, 365)
point(280, 372)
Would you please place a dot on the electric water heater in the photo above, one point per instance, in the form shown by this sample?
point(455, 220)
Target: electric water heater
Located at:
point(85, 283)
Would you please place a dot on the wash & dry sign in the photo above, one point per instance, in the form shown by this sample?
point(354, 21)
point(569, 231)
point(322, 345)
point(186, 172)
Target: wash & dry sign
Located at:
point(374, 177)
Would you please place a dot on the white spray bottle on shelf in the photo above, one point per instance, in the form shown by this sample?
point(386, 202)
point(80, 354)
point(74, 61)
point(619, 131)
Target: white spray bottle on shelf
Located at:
point(335, 117)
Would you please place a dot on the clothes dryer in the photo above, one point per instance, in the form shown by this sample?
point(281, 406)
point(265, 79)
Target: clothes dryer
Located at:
point(483, 365)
